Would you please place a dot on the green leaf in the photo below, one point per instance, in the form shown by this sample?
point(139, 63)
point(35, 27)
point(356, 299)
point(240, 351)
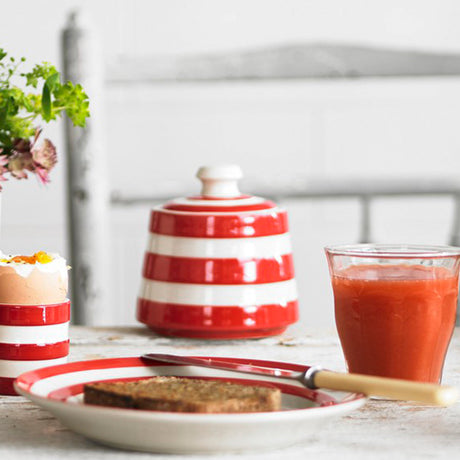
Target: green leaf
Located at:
point(75, 101)
point(46, 102)
point(52, 81)
point(32, 79)
point(27, 104)
point(4, 113)
point(2, 53)
point(40, 72)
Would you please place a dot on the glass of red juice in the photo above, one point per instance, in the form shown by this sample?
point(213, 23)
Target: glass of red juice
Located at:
point(395, 307)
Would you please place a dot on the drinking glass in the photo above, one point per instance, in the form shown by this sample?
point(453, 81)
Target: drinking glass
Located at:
point(395, 307)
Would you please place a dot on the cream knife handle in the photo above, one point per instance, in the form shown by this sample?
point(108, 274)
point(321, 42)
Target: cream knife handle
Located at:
point(391, 388)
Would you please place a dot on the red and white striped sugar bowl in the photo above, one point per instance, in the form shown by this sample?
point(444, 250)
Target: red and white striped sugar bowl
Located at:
point(218, 265)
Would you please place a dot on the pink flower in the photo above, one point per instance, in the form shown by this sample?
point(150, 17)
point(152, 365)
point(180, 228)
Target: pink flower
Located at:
point(22, 145)
point(25, 156)
point(3, 168)
point(45, 156)
point(21, 160)
point(42, 175)
point(19, 163)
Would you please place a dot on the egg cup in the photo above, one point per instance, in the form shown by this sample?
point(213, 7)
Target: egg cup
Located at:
point(31, 337)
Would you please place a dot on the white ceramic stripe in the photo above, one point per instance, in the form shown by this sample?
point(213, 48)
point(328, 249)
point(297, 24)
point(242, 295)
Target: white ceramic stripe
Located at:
point(45, 386)
point(260, 212)
point(34, 334)
point(220, 203)
point(10, 368)
point(221, 248)
point(219, 295)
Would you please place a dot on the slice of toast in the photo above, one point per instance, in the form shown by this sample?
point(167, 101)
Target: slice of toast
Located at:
point(184, 395)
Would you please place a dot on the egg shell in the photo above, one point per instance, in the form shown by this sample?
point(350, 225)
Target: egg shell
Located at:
point(38, 288)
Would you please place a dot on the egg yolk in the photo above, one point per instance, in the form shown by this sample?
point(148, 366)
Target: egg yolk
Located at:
point(41, 257)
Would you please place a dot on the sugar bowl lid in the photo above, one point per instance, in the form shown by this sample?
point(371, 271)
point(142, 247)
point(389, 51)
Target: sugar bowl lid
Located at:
point(220, 211)
point(220, 193)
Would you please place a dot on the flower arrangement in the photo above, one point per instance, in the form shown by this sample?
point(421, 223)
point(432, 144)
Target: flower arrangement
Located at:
point(44, 98)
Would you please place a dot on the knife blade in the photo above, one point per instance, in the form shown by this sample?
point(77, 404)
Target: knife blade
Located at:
point(218, 363)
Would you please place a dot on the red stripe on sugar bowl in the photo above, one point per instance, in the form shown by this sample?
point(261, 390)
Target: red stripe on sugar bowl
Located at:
point(34, 315)
point(218, 322)
point(203, 208)
point(218, 271)
point(272, 222)
point(32, 352)
point(6, 386)
point(236, 204)
point(214, 198)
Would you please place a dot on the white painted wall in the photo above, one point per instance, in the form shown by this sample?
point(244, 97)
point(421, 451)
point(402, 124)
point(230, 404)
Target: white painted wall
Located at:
point(369, 128)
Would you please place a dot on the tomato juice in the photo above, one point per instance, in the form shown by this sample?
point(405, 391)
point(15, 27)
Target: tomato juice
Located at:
point(395, 320)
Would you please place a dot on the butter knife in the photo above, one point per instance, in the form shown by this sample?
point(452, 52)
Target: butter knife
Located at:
point(315, 377)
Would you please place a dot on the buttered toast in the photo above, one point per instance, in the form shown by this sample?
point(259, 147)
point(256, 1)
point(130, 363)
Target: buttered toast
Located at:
point(184, 395)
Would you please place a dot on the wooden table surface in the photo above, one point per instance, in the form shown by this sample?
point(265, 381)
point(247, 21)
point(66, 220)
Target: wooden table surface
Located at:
point(381, 429)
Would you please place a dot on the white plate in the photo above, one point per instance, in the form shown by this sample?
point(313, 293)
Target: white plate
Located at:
point(59, 390)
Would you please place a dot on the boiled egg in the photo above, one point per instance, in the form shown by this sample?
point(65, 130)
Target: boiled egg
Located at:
point(33, 280)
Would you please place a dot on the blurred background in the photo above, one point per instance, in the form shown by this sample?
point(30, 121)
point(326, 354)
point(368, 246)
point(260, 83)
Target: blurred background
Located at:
point(346, 113)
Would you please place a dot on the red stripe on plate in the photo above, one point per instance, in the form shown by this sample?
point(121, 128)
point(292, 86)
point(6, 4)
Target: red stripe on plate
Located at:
point(217, 271)
point(34, 315)
point(26, 380)
point(32, 352)
point(215, 226)
point(239, 208)
point(322, 399)
point(6, 386)
point(211, 319)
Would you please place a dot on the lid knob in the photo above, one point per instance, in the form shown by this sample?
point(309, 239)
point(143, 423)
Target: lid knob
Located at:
point(220, 181)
